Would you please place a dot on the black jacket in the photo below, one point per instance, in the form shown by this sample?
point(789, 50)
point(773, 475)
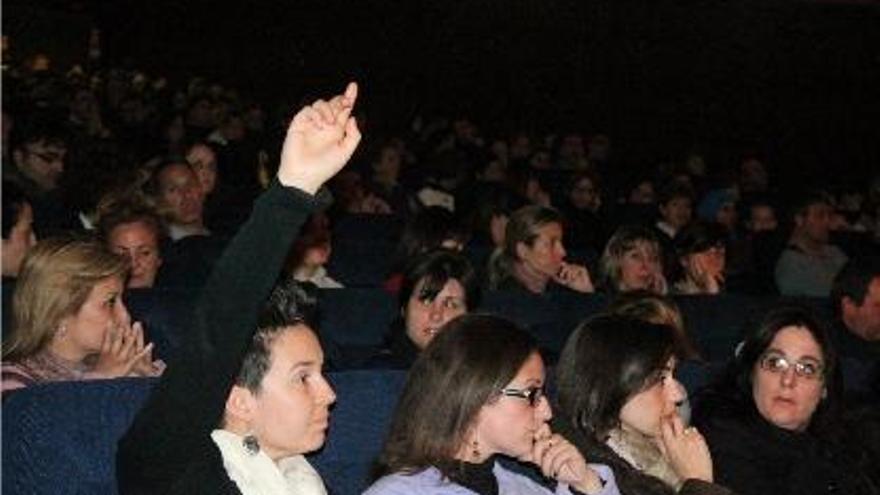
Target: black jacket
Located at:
point(168, 448)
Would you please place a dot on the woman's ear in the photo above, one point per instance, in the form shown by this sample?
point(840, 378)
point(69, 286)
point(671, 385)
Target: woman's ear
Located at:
point(240, 405)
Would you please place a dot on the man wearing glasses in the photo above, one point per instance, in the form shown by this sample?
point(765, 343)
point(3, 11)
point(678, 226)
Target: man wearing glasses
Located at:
point(39, 148)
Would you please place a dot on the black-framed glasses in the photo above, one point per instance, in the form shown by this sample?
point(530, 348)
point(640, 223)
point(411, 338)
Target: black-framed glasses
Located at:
point(805, 368)
point(531, 394)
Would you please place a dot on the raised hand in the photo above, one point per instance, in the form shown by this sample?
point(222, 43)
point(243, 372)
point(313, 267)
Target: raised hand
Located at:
point(320, 140)
point(575, 277)
point(686, 450)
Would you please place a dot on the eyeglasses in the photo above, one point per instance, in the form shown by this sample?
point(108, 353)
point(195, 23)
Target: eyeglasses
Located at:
point(777, 363)
point(531, 394)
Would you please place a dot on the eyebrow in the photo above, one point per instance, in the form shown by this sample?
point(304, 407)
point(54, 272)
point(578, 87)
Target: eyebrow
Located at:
point(805, 356)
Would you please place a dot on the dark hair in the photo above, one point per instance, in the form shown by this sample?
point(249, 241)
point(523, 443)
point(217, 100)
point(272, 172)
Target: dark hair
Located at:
point(41, 127)
point(731, 394)
point(436, 268)
point(462, 369)
point(803, 200)
point(427, 230)
point(606, 361)
point(673, 190)
point(289, 305)
point(14, 201)
point(852, 281)
point(698, 236)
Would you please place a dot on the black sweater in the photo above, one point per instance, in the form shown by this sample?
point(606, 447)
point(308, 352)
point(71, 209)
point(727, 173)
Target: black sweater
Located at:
point(168, 448)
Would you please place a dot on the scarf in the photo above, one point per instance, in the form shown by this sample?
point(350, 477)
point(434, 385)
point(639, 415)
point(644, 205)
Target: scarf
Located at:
point(257, 474)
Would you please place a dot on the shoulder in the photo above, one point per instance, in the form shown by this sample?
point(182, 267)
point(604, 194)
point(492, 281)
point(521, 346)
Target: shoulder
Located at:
point(427, 481)
point(15, 375)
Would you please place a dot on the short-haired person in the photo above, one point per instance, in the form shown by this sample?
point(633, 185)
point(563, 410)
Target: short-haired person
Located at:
point(437, 286)
point(773, 420)
point(618, 403)
point(675, 208)
point(633, 260)
point(856, 334)
point(808, 264)
point(69, 319)
point(534, 255)
point(475, 395)
point(179, 195)
point(135, 231)
point(247, 398)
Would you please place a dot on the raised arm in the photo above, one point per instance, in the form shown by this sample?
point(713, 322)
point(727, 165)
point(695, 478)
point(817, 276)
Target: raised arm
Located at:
point(188, 403)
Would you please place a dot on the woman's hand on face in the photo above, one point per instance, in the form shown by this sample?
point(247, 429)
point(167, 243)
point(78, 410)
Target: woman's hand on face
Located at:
point(122, 351)
point(320, 140)
point(562, 461)
point(575, 277)
point(685, 449)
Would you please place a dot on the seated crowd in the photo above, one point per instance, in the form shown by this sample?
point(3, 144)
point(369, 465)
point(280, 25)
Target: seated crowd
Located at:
point(208, 212)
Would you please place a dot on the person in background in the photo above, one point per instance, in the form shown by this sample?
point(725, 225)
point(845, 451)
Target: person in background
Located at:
point(135, 230)
point(534, 255)
point(701, 250)
point(633, 260)
point(808, 264)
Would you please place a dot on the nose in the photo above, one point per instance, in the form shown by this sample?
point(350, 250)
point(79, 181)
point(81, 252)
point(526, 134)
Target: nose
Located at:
point(787, 377)
point(327, 395)
point(122, 315)
point(435, 310)
point(677, 392)
point(543, 411)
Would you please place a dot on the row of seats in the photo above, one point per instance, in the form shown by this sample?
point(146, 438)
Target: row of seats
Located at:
point(60, 438)
point(360, 317)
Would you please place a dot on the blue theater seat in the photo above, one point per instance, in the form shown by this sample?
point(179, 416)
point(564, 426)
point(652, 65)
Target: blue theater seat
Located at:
point(60, 438)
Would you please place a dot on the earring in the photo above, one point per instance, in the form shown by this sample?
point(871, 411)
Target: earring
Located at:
point(475, 450)
point(824, 393)
point(251, 445)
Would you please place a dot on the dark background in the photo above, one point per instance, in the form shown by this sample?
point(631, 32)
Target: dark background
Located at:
point(796, 81)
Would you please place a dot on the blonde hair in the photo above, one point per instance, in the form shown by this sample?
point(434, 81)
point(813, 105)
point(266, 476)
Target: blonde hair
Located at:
point(624, 240)
point(56, 278)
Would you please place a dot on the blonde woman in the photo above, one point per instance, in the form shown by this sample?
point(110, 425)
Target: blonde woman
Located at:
point(69, 321)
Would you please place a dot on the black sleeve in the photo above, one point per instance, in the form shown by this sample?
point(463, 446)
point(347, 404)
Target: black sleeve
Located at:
point(188, 402)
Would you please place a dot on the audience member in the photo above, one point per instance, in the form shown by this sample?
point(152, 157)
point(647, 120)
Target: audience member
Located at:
point(134, 230)
point(809, 262)
point(617, 404)
point(69, 319)
point(773, 420)
point(701, 251)
point(474, 395)
point(856, 333)
point(632, 260)
point(311, 252)
point(243, 426)
point(438, 286)
point(533, 255)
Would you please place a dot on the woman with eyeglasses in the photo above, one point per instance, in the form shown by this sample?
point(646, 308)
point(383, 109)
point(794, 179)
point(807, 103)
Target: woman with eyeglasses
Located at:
point(618, 402)
point(773, 421)
point(473, 396)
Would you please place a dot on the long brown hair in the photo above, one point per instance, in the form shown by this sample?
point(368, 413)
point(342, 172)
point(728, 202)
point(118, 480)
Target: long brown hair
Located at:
point(461, 370)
